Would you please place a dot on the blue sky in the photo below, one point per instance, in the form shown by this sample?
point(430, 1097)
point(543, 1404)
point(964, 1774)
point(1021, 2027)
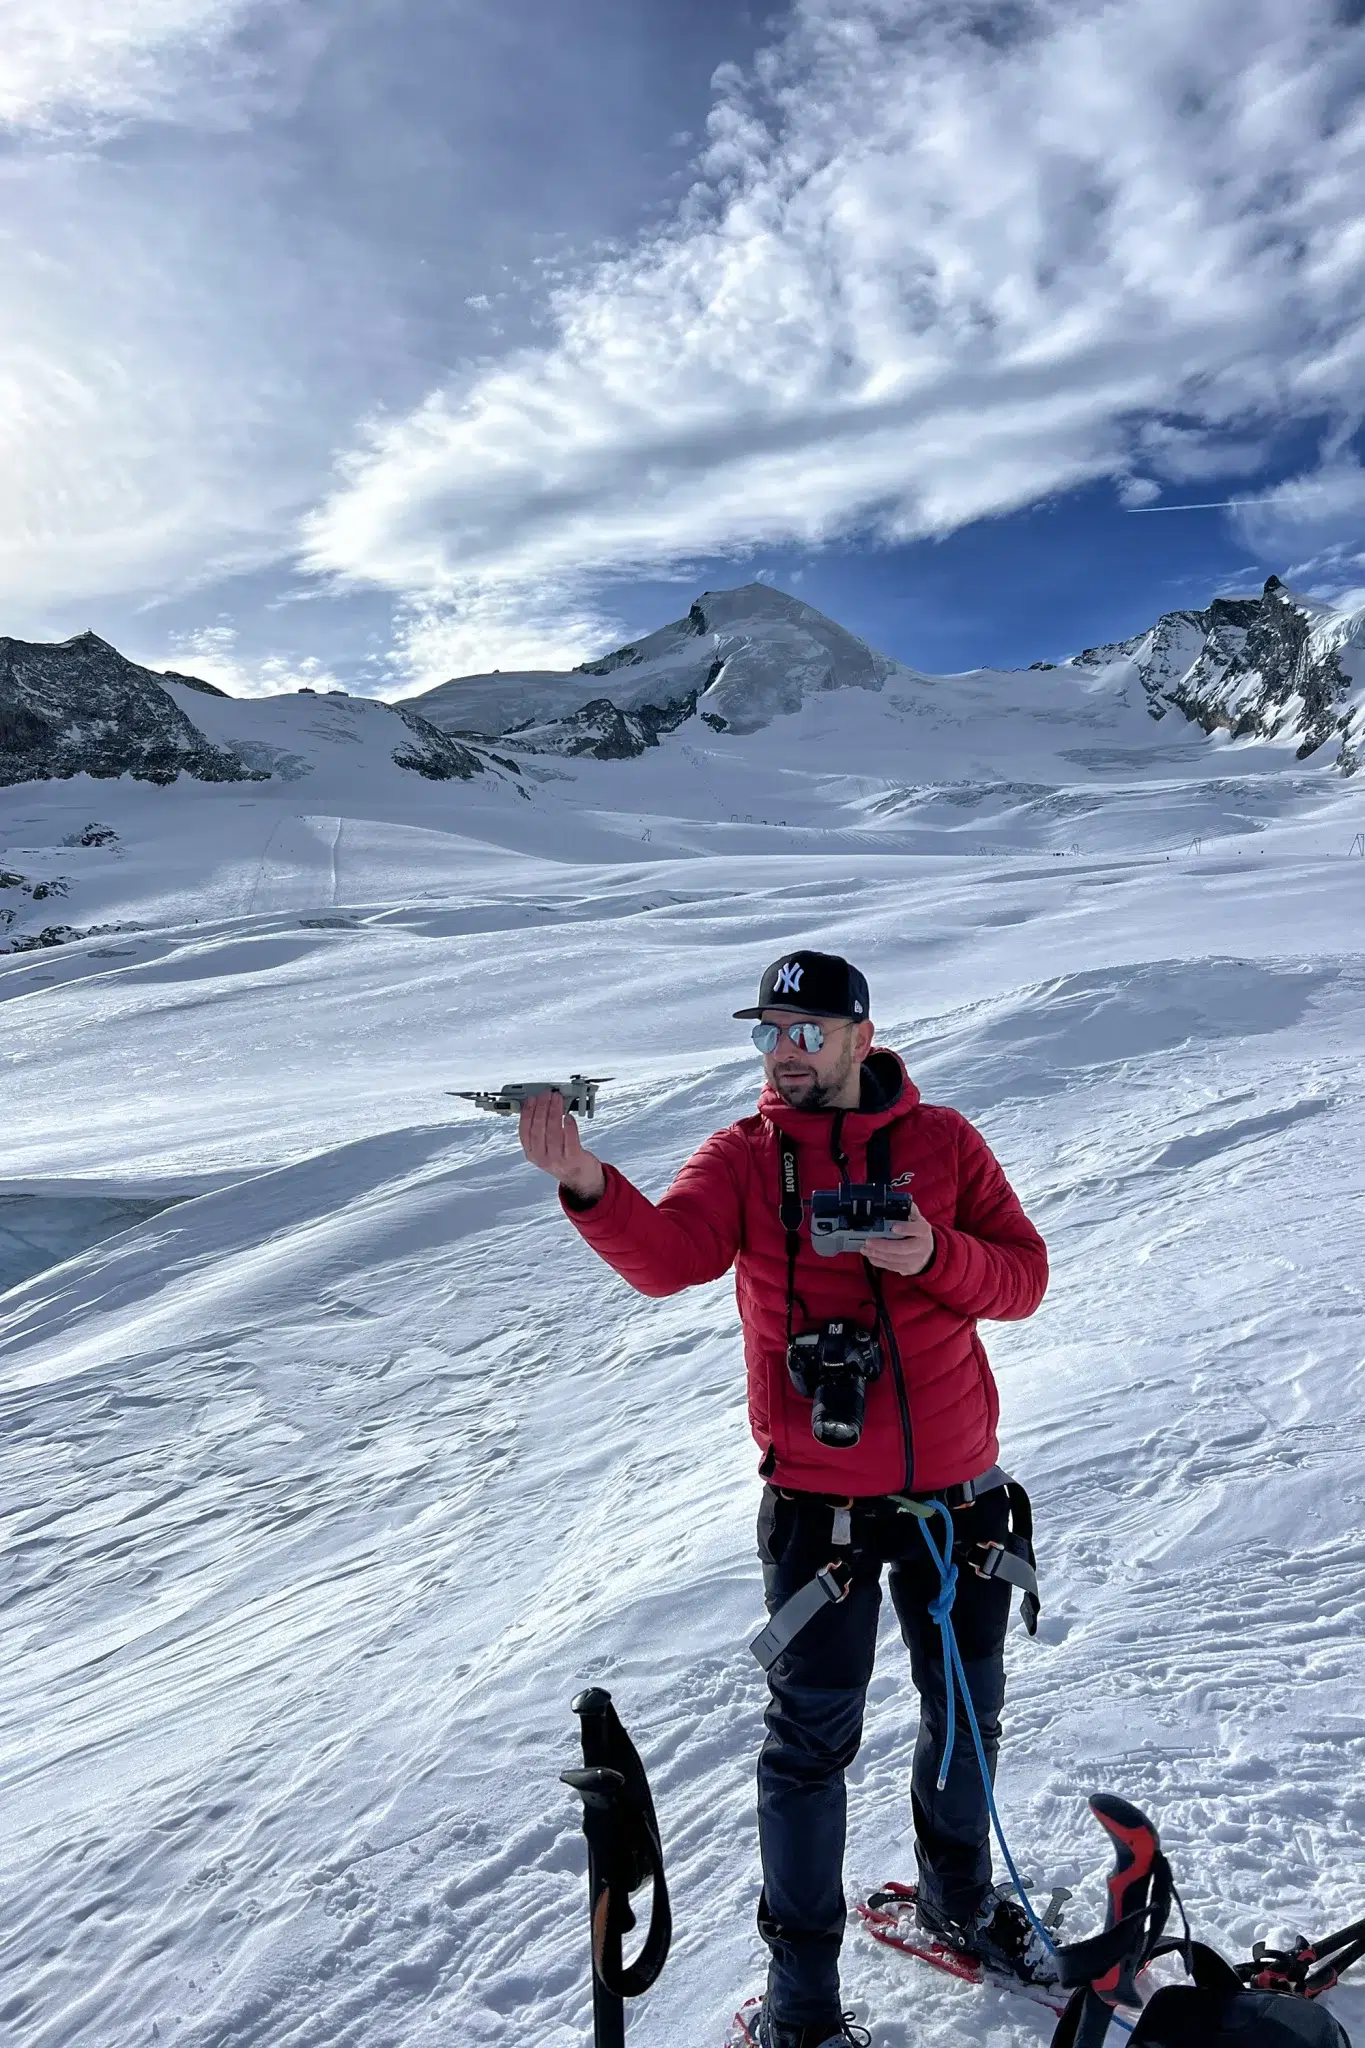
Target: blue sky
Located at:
point(383, 340)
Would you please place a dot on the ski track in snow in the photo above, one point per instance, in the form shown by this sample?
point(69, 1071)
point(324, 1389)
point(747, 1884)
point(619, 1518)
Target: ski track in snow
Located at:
point(330, 1481)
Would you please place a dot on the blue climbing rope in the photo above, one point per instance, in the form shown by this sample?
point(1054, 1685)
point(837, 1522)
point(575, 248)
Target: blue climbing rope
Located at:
point(955, 1680)
point(941, 1610)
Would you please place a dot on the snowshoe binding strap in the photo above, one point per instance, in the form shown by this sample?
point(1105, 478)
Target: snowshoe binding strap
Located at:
point(624, 1852)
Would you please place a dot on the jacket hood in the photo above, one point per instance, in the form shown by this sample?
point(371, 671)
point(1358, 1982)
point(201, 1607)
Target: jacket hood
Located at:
point(884, 1076)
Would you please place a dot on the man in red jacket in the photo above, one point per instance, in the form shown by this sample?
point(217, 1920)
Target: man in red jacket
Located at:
point(903, 1310)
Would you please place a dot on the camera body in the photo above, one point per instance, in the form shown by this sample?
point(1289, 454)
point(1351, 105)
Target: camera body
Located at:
point(843, 1219)
point(832, 1367)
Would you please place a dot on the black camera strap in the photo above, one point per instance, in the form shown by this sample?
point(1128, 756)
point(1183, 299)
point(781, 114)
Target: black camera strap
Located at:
point(790, 1210)
point(790, 1206)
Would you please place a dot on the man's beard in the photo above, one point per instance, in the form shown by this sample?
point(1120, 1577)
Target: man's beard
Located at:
point(810, 1093)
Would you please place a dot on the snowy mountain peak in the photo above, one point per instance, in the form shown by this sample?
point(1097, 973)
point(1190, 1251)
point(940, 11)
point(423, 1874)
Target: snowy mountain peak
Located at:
point(1277, 666)
point(737, 659)
point(1281, 666)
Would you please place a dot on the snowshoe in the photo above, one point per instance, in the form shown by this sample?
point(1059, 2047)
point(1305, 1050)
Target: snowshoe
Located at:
point(892, 1917)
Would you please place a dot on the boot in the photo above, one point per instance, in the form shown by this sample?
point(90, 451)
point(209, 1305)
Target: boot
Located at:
point(999, 1935)
point(838, 2031)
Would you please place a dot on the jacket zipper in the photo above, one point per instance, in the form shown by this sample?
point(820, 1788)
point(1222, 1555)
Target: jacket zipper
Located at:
point(840, 1158)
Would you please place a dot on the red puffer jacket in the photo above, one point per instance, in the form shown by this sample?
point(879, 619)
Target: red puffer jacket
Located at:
point(932, 1422)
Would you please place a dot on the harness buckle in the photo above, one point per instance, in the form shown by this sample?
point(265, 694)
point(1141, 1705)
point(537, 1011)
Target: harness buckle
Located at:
point(837, 1580)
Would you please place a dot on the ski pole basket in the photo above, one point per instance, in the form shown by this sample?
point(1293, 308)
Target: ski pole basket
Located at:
point(624, 1852)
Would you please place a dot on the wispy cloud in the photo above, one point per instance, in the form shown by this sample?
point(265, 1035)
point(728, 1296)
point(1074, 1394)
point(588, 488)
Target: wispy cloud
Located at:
point(1315, 523)
point(499, 625)
point(211, 654)
point(74, 60)
point(940, 260)
point(165, 378)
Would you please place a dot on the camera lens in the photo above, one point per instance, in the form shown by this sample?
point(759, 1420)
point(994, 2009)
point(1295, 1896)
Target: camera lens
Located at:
point(837, 1415)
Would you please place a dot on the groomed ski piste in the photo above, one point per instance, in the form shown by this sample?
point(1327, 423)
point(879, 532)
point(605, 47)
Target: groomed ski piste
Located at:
point(334, 1472)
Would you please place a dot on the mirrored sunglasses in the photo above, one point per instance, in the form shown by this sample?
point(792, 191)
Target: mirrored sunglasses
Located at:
point(808, 1036)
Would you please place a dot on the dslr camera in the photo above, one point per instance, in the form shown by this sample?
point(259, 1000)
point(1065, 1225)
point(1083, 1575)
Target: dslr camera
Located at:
point(832, 1366)
point(843, 1219)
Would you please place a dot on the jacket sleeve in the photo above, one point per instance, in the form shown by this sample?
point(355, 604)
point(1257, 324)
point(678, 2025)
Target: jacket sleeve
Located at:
point(992, 1262)
point(691, 1235)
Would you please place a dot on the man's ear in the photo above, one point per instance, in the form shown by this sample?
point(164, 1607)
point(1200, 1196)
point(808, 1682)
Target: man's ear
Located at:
point(867, 1031)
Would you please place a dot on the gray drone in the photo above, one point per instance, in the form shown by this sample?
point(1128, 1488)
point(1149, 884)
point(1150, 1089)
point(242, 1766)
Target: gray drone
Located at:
point(579, 1093)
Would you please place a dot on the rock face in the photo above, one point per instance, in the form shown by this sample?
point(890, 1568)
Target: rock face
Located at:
point(1277, 666)
point(431, 752)
point(77, 707)
point(737, 660)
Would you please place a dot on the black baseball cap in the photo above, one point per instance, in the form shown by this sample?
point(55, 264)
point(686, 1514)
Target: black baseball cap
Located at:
point(818, 984)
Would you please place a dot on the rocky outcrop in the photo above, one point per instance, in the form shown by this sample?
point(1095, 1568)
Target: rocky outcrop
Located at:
point(17, 890)
point(77, 707)
point(1278, 666)
point(433, 753)
point(603, 731)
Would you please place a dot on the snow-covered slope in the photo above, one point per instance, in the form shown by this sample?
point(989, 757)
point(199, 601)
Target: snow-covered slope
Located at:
point(333, 1463)
point(326, 1487)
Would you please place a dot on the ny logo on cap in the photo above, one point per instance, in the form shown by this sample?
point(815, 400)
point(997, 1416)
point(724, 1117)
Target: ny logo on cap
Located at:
point(788, 979)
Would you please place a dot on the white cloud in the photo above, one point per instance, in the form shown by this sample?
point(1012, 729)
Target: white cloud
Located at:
point(944, 259)
point(72, 59)
point(210, 653)
point(1315, 523)
point(494, 626)
point(150, 425)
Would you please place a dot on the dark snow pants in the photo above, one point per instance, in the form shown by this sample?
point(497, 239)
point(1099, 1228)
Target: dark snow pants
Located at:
point(815, 1723)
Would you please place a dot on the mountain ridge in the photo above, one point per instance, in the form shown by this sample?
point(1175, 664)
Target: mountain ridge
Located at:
point(1279, 666)
point(79, 707)
point(1274, 666)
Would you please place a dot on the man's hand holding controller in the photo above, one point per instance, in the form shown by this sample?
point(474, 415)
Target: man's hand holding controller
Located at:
point(550, 1141)
point(908, 1250)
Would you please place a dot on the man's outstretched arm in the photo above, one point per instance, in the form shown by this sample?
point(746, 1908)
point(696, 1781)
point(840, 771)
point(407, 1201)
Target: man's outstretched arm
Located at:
point(690, 1236)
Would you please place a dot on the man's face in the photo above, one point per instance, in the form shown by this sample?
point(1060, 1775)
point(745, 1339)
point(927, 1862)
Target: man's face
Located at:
point(811, 1080)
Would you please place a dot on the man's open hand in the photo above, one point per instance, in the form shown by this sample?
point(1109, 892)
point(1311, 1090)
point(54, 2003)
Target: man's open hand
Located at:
point(550, 1141)
point(907, 1252)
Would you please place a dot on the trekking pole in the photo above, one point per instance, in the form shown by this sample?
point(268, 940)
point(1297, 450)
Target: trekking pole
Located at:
point(624, 1851)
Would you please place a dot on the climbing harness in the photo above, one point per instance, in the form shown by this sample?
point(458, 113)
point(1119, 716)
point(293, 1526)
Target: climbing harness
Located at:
point(1011, 1560)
